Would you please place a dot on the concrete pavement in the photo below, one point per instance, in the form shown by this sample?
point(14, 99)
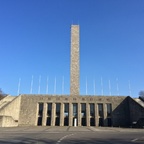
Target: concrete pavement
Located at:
point(72, 135)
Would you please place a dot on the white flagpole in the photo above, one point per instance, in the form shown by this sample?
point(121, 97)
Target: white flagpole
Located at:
point(109, 88)
point(47, 85)
point(101, 86)
point(31, 89)
point(129, 88)
point(117, 86)
point(55, 86)
point(86, 85)
point(19, 86)
point(39, 84)
point(94, 86)
point(63, 85)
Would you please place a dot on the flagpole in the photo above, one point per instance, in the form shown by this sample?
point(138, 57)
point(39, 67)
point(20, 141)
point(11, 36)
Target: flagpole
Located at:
point(86, 85)
point(109, 88)
point(101, 86)
point(129, 88)
point(19, 86)
point(47, 85)
point(117, 86)
point(94, 87)
point(63, 85)
point(31, 85)
point(55, 86)
point(39, 84)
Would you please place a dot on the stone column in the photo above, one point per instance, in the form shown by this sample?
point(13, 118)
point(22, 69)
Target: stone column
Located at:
point(96, 115)
point(105, 114)
point(70, 114)
point(79, 114)
point(74, 71)
point(87, 114)
point(62, 115)
point(53, 114)
point(44, 117)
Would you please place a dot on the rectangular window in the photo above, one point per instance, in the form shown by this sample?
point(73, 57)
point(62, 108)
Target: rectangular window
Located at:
point(58, 105)
point(66, 114)
point(57, 118)
point(100, 121)
point(75, 109)
point(49, 109)
point(40, 114)
point(39, 123)
point(40, 109)
point(92, 109)
point(109, 109)
point(100, 110)
point(83, 110)
point(66, 110)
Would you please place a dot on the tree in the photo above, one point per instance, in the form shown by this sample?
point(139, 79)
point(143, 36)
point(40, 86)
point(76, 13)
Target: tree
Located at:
point(141, 94)
point(2, 94)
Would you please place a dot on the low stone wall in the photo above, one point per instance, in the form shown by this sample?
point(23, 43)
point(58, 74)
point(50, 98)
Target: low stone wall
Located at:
point(8, 121)
point(10, 113)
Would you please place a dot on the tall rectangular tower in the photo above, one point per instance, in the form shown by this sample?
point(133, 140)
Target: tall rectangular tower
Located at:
point(74, 68)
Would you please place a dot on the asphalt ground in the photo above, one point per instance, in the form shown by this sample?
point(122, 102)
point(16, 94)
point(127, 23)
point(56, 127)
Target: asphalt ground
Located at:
point(71, 135)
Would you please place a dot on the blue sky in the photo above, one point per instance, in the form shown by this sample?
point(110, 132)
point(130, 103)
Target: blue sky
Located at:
point(35, 40)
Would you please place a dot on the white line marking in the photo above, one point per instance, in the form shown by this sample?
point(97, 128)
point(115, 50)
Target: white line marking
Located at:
point(64, 138)
point(134, 140)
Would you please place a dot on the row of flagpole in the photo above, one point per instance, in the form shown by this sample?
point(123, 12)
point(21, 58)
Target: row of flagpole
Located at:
point(109, 86)
point(39, 88)
point(55, 84)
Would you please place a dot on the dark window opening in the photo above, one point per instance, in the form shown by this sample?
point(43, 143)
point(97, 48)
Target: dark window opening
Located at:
point(83, 121)
point(100, 110)
point(75, 109)
point(92, 110)
point(92, 121)
point(49, 109)
point(48, 123)
point(100, 121)
point(40, 109)
point(66, 110)
point(39, 121)
point(57, 121)
point(109, 110)
point(58, 105)
point(66, 121)
point(83, 110)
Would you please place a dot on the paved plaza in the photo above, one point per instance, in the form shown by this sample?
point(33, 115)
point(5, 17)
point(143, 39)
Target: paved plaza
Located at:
point(71, 135)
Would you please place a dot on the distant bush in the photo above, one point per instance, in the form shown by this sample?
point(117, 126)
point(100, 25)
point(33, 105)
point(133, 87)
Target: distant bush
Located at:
point(141, 95)
point(2, 95)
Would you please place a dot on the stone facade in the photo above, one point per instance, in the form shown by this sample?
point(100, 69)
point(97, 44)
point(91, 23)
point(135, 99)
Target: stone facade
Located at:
point(50, 110)
point(29, 109)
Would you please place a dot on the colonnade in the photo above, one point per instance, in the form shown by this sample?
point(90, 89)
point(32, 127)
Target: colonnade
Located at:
point(64, 114)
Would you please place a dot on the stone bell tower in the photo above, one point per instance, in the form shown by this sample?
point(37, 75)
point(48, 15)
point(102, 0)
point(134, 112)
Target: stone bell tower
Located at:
point(74, 67)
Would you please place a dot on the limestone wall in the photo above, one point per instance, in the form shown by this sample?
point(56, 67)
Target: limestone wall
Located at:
point(10, 112)
point(29, 105)
point(7, 121)
point(6, 100)
point(1, 121)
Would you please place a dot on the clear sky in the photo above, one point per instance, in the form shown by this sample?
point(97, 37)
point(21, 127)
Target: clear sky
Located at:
point(35, 40)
